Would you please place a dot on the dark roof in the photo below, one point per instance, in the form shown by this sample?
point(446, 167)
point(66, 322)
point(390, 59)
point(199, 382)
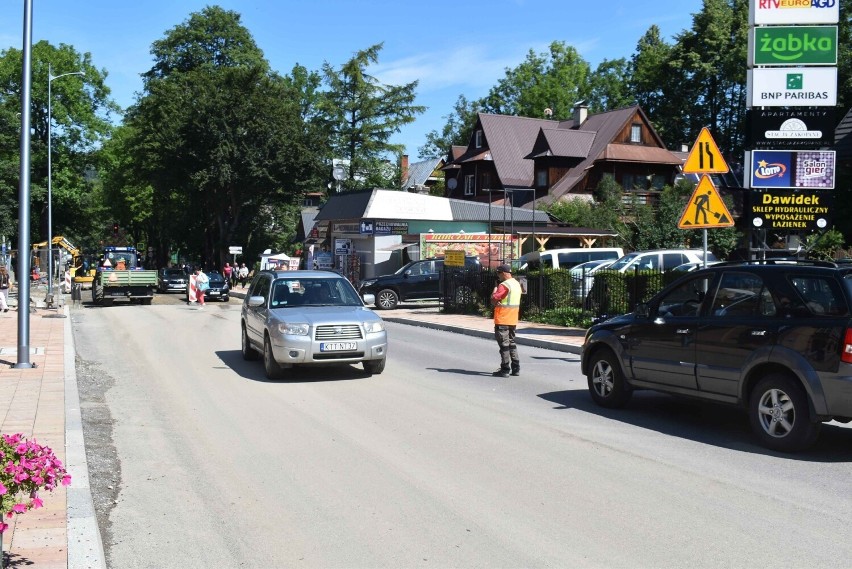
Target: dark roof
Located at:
point(563, 143)
point(420, 172)
point(465, 210)
point(347, 205)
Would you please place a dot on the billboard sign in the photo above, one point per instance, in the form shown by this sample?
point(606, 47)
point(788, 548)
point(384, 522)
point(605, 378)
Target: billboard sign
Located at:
point(792, 87)
point(792, 45)
point(791, 169)
point(790, 210)
point(793, 12)
point(790, 128)
point(492, 249)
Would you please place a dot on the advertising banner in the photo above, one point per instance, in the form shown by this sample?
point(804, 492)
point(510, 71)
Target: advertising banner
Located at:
point(789, 210)
point(792, 45)
point(492, 249)
point(790, 128)
point(792, 87)
point(793, 12)
point(791, 169)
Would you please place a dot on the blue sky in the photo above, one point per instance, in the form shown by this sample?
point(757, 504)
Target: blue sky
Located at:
point(452, 47)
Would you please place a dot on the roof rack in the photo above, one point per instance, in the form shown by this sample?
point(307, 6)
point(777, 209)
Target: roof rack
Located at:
point(779, 261)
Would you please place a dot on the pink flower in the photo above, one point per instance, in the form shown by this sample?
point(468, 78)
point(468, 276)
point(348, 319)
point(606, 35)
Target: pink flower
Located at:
point(3, 489)
point(3, 527)
point(19, 508)
point(66, 480)
point(37, 503)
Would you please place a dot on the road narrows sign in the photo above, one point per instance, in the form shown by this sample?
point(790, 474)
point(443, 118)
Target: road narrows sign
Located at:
point(705, 158)
point(705, 208)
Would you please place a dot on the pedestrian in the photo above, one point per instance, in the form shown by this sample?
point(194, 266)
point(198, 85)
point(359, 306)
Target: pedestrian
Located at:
point(506, 300)
point(226, 272)
point(5, 287)
point(244, 273)
point(202, 283)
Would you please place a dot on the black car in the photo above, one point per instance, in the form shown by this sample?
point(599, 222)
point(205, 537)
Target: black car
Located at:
point(772, 337)
point(169, 280)
point(418, 280)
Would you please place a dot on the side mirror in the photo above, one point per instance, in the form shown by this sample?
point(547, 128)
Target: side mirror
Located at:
point(369, 299)
point(642, 310)
point(256, 301)
point(407, 273)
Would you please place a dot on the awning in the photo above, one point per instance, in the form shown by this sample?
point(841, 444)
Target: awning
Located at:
point(397, 247)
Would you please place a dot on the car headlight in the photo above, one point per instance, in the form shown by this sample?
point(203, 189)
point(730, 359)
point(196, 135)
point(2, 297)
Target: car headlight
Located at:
point(294, 328)
point(367, 283)
point(376, 326)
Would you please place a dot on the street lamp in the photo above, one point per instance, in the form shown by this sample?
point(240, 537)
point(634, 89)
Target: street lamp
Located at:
point(50, 78)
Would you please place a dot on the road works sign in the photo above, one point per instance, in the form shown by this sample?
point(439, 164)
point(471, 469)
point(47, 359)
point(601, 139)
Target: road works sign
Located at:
point(705, 158)
point(793, 45)
point(705, 209)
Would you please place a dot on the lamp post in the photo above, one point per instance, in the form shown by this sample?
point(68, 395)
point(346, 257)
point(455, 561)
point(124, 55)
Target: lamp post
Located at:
point(50, 78)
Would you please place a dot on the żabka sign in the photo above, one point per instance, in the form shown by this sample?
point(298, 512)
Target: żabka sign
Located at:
point(793, 45)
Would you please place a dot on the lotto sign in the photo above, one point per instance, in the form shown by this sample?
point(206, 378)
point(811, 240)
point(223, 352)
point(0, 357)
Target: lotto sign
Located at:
point(793, 45)
point(792, 87)
point(793, 12)
point(790, 169)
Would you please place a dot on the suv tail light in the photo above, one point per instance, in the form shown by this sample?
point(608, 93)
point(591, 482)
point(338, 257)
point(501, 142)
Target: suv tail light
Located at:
point(846, 355)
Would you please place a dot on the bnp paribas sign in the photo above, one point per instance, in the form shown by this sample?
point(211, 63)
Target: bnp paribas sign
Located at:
point(793, 45)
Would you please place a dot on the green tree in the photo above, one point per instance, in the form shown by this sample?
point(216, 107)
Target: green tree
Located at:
point(456, 132)
point(554, 80)
point(610, 86)
point(221, 141)
point(654, 85)
point(361, 115)
point(80, 112)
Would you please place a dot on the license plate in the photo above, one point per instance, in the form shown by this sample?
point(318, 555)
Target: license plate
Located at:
point(337, 346)
point(214, 293)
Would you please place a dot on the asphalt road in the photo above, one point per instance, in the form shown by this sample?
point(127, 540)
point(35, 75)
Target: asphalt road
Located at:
point(198, 461)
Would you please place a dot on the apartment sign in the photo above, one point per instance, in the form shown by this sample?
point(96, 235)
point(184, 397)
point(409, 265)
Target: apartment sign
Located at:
point(793, 45)
point(791, 169)
point(790, 210)
point(793, 12)
point(790, 128)
point(792, 87)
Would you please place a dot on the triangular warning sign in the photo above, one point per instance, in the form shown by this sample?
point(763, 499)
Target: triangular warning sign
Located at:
point(705, 158)
point(705, 208)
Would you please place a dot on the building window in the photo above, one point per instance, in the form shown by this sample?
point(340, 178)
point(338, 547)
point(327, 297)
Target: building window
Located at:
point(486, 180)
point(541, 177)
point(636, 133)
point(478, 141)
point(469, 185)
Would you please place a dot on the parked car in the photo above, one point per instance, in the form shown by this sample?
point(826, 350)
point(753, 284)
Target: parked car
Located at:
point(172, 279)
point(309, 318)
point(693, 266)
point(417, 280)
point(219, 287)
point(772, 337)
point(582, 277)
point(567, 258)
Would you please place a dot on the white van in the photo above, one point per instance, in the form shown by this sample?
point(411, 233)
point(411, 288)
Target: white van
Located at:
point(568, 258)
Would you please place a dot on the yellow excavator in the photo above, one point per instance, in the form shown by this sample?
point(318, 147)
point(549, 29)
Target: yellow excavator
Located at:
point(83, 267)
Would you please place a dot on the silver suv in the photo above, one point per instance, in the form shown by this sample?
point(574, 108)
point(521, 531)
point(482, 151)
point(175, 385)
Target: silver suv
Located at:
point(297, 318)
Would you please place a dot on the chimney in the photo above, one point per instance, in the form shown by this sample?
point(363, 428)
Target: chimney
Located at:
point(581, 113)
point(404, 167)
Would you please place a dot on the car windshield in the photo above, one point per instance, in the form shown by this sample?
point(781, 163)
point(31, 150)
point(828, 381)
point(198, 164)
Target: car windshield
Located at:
point(292, 292)
point(174, 273)
point(215, 278)
point(624, 261)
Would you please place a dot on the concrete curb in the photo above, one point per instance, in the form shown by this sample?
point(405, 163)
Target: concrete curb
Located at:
point(85, 548)
point(520, 340)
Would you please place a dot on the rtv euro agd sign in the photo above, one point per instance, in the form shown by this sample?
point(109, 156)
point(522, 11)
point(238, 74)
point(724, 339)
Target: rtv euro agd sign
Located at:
point(793, 12)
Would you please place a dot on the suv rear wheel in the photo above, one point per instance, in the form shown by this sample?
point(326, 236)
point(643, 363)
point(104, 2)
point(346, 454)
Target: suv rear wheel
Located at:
point(778, 411)
point(387, 299)
point(606, 382)
point(248, 352)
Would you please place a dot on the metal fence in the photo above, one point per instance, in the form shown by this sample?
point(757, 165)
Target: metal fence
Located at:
point(604, 293)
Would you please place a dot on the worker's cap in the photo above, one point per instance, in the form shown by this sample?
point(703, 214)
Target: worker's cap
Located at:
point(504, 268)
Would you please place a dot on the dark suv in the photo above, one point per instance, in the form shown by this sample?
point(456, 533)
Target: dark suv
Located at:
point(773, 337)
point(418, 280)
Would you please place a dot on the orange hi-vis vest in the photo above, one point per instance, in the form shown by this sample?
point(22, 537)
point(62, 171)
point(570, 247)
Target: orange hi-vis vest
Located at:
point(506, 312)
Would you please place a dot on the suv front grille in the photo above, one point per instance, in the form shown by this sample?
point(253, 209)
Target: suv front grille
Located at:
point(338, 332)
